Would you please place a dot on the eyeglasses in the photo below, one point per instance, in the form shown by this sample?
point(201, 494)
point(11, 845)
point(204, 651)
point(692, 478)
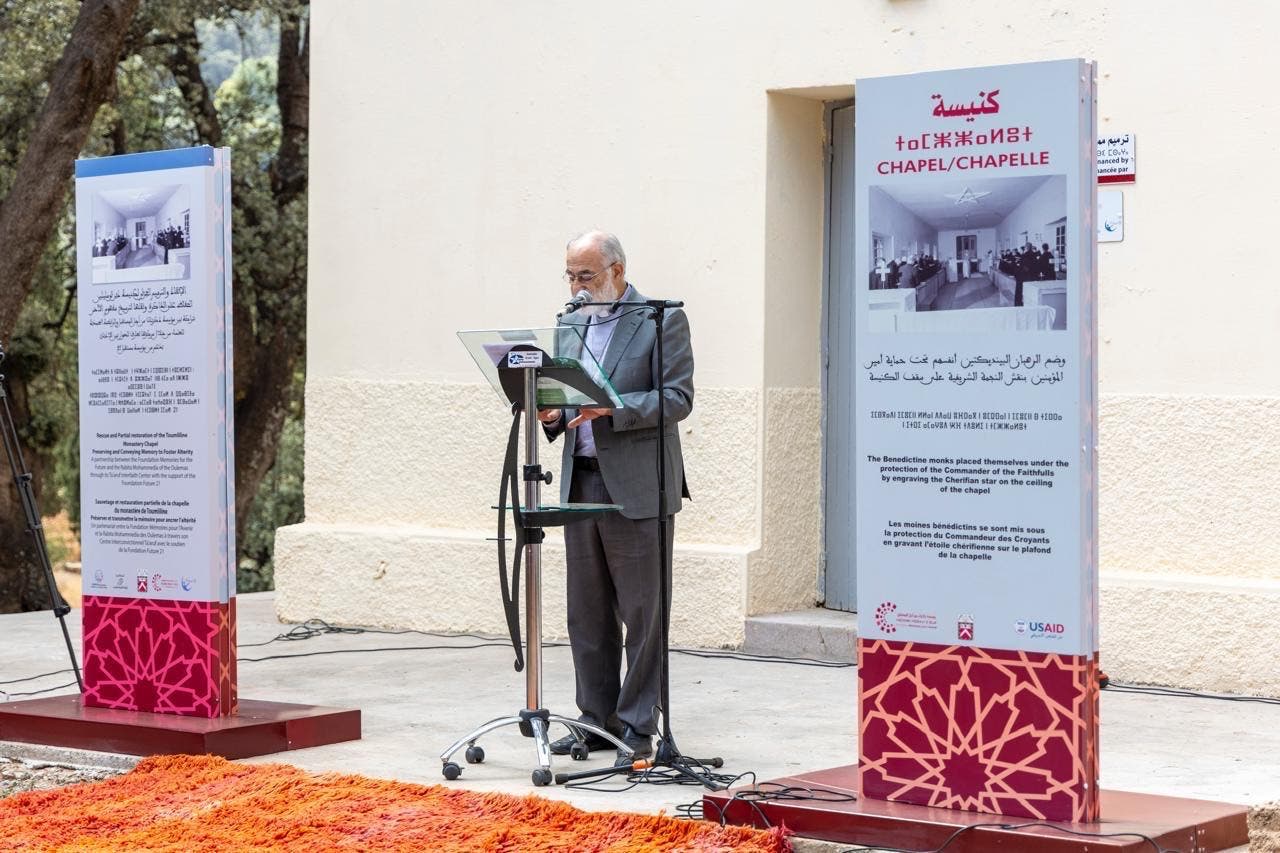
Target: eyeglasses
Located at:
point(583, 277)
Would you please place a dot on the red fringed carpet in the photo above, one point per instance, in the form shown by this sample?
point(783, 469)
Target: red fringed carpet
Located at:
point(185, 803)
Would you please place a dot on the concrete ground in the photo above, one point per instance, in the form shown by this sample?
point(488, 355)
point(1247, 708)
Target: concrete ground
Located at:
point(772, 719)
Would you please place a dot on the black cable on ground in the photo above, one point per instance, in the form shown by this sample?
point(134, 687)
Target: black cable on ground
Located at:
point(9, 695)
point(726, 654)
point(660, 776)
point(318, 628)
point(1179, 693)
point(34, 677)
point(496, 644)
point(766, 792)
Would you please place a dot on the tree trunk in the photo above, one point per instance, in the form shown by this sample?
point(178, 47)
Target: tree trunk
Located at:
point(260, 416)
point(266, 359)
point(293, 94)
point(184, 62)
point(81, 81)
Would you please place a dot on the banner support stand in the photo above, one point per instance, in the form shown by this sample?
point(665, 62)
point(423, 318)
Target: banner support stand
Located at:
point(31, 509)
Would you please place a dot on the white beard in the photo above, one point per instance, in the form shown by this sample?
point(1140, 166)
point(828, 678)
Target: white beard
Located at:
point(598, 310)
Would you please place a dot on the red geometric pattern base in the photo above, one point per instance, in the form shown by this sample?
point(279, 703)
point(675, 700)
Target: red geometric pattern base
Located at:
point(982, 730)
point(164, 657)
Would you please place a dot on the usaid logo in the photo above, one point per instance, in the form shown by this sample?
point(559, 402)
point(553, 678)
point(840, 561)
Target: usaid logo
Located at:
point(1039, 629)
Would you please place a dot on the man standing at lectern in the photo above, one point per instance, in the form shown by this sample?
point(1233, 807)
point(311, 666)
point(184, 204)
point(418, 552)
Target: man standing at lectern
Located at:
point(611, 457)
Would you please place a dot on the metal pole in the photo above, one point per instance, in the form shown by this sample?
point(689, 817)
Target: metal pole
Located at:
point(533, 584)
point(666, 743)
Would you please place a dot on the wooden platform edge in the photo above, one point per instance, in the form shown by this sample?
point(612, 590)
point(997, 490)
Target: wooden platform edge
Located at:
point(260, 728)
point(1172, 822)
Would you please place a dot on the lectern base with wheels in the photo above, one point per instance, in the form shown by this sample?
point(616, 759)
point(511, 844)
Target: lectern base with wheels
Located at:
point(532, 369)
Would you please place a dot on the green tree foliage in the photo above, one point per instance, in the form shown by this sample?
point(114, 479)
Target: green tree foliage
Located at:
point(190, 72)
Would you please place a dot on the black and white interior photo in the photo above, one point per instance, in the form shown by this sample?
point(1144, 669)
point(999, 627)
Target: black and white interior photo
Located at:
point(982, 255)
point(142, 234)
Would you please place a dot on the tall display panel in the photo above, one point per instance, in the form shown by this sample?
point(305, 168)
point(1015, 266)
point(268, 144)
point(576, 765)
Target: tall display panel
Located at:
point(975, 446)
point(157, 472)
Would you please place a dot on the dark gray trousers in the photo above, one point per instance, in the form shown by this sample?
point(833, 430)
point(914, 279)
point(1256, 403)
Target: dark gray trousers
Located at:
point(613, 570)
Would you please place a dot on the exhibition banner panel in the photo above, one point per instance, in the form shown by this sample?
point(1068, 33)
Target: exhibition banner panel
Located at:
point(975, 440)
point(157, 471)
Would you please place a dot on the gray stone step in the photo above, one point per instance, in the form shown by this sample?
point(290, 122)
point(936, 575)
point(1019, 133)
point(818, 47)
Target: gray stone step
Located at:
point(814, 633)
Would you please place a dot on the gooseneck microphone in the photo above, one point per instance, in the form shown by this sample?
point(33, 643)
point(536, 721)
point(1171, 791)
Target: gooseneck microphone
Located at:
point(577, 302)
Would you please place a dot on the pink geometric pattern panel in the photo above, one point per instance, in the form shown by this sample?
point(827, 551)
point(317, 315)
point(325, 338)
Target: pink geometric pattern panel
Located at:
point(983, 730)
point(166, 657)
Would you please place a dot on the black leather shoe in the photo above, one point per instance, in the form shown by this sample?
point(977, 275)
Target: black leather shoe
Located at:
point(641, 747)
point(594, 742)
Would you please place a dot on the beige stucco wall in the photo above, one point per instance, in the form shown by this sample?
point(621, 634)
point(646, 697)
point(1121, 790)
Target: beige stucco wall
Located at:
point(456, 145)
point(1189, 513)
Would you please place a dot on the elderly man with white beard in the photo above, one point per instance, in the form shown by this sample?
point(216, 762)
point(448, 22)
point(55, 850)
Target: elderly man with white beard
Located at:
point(613, 560)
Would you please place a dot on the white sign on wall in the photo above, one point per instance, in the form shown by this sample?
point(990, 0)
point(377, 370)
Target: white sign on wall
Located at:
point(1110, 216)
point(1118, 159)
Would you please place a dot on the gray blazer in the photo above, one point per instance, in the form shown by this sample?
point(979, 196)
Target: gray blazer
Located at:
point(625, 440)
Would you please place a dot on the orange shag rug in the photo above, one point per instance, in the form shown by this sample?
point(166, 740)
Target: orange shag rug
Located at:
point(185, 803)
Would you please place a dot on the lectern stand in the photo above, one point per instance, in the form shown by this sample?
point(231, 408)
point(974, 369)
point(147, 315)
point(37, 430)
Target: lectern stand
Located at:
point(533, 369)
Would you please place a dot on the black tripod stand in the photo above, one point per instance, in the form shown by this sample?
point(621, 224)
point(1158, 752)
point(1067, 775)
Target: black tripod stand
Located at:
point(666, 754)
point(22, 479)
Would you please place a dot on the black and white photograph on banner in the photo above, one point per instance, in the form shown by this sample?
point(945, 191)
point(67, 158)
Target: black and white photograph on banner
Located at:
point(978, 255)
point(142, 234)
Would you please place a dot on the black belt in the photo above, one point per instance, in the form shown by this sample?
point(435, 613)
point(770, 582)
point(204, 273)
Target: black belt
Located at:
point(586, 463)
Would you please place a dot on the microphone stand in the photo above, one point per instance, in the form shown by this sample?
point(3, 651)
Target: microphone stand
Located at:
point(22, 479)
point(666, 754)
